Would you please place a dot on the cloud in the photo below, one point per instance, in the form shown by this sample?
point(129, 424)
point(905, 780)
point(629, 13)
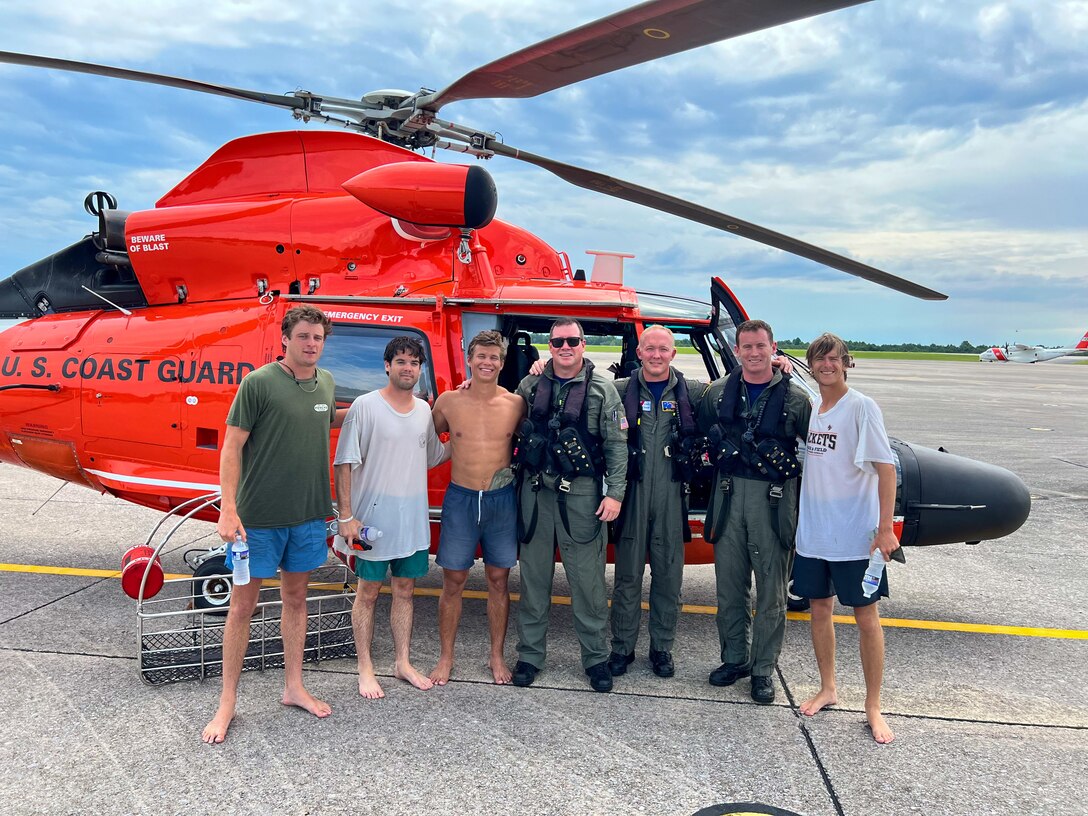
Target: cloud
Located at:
point(943, 142)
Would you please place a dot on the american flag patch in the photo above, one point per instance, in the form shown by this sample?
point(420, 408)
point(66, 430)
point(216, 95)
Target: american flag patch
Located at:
point(623, 423)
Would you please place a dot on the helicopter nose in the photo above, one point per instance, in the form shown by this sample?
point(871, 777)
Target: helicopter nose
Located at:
point(945, 498)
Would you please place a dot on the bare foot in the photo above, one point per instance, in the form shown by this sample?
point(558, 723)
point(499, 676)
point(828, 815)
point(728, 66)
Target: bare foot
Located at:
point(882, 733)
point(500, 671)
point(441, 674)
point(824, 698)
point(216, 730)
point(301, 698)
point(368, 686)
point(408, 673)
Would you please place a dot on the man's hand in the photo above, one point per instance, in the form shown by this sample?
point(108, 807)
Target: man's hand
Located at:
point(349, 529)
point(782, 363)
point(537, 368)
point(886, 542)
point(230, 526)
point(609, 509)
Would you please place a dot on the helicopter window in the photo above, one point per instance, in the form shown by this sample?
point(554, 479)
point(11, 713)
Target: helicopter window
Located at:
point(609, 344)
point(355, 356)
point(672, 307)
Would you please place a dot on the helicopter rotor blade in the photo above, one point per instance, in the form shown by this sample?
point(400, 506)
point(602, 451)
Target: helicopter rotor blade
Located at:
point(279, 100)
point(629, 37)
point(600, 183)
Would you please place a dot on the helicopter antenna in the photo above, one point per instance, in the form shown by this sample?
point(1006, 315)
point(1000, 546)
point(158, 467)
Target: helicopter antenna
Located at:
point(121, 309)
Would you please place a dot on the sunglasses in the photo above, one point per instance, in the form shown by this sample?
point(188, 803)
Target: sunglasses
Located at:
point(557, 342)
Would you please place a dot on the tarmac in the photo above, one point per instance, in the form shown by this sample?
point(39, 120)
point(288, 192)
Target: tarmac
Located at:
point(986, 654)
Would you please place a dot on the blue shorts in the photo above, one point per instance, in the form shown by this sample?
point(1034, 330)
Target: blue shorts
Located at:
point(817, 578)
point(300, 548)
point(485, 517)
point(410, 566)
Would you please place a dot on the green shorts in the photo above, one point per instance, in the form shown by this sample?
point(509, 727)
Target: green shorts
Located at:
point(411, 566)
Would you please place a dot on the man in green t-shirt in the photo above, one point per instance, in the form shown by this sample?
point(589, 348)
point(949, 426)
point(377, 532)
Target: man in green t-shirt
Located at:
point(274, 476)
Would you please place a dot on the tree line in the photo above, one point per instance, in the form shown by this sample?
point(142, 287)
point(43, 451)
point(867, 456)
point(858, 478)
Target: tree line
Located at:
point(966, 347)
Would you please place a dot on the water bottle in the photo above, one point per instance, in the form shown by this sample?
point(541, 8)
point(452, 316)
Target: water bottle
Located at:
point(239, 555)
point(367, 535)
point(870, 582)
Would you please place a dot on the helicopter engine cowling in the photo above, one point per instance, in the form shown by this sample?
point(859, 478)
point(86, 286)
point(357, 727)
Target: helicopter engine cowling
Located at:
point(429, 194)
point(946, 498)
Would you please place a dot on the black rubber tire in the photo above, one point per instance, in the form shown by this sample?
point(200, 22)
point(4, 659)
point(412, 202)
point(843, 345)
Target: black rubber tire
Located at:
point(212, 586)
point(795, 603)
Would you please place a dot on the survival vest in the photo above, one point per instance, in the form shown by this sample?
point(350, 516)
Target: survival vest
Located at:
point(683, 444)
point(755, 447)
point(560, 442)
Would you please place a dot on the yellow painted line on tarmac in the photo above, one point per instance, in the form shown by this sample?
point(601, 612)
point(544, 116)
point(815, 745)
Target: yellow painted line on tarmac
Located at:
point(77, 571)
point(690, 609)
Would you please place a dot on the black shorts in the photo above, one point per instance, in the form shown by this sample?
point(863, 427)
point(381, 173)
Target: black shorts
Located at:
point(817, 578)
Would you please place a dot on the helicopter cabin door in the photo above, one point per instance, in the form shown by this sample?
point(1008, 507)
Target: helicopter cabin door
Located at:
point(132, 397)
point(726, 314)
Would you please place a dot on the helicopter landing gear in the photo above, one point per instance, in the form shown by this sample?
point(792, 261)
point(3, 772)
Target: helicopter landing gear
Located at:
point(795, 603)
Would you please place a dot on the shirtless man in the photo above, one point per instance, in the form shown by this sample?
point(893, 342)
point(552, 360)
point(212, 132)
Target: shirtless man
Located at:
point(479, 507)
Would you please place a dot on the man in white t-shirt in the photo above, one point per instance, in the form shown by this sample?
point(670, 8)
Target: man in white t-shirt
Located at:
point(847, 502)
point(386, 445)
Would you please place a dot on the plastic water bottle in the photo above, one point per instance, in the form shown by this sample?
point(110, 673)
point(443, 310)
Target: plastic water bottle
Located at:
point(870, 582)
point(239, 554)
point(367, 535)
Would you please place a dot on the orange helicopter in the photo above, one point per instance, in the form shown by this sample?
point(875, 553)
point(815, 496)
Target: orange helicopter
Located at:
point(133, 340)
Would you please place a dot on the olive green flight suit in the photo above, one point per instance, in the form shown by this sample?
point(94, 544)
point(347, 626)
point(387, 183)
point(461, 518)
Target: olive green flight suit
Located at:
point(653, 522)
point(748, 542)
point(583, 548)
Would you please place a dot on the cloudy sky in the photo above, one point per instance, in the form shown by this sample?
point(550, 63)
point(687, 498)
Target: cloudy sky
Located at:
point(945, 142)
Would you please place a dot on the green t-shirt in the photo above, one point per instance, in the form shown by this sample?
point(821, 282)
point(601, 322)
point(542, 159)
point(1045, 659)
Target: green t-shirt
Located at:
point(285, 461)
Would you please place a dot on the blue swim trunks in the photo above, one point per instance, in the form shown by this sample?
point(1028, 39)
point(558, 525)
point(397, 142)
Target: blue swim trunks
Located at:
point(301, 548)
point(485, 517)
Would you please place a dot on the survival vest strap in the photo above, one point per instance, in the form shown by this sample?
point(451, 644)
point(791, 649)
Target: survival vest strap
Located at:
point(754, 447)
point(560, 442)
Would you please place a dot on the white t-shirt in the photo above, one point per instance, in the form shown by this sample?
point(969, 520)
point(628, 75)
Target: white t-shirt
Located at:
point(840, 504)
point(390, 453)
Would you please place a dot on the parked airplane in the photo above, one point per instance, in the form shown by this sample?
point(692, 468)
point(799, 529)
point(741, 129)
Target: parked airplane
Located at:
point(1019, 353)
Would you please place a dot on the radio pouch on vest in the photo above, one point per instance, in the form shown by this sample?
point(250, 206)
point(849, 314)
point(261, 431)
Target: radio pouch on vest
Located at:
point(775, 462)
point(571, 455)
point(529, 452)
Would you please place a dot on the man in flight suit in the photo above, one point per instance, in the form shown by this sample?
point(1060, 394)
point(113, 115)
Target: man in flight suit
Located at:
point(659, 412)
point(574, 435)
point(753, 417)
